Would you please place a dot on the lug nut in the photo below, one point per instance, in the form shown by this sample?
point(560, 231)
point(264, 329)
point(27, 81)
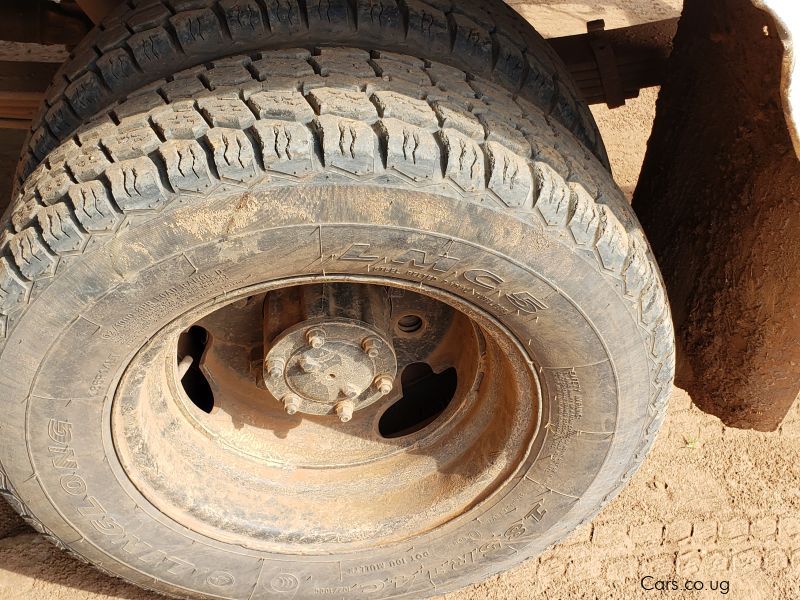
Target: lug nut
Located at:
point(384, 384)
point(291, 403)
point(275, 367)
point(308, 364)
point(350, 391)
point(345, 410)
point(371, 346)
point(315, 337)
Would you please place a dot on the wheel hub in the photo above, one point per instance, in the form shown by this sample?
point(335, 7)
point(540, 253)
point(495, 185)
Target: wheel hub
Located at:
point(332, 366)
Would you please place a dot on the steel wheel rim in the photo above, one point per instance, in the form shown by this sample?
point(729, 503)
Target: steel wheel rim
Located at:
point(353, 517)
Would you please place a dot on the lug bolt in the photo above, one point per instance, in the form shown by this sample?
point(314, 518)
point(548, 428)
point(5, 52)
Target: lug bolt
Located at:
point(350, 391)
point(275, 367)
point(384, 384)
point(371, 346)
point(315, 337)
point(345, 410)
point(291, 403)
point(308, 364)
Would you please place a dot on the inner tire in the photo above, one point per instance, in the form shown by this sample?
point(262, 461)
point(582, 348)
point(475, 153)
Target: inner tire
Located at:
point(168, 215)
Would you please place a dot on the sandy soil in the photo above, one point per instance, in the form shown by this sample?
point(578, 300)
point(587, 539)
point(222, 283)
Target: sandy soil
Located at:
point(567, 17)
point(710, 504)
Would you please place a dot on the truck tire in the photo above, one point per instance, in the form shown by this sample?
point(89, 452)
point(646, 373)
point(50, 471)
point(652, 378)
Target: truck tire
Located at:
point(154, 269)
point(146, 40)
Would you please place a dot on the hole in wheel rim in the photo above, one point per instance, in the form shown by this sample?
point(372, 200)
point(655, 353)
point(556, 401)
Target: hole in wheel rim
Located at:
point(192, 346)
point(426, 395)
point(409, 323)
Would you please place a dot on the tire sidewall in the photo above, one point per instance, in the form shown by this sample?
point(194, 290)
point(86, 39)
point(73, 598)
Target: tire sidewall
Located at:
point(65, 354)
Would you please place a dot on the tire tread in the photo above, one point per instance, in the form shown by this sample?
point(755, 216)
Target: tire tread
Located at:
point(143, 41)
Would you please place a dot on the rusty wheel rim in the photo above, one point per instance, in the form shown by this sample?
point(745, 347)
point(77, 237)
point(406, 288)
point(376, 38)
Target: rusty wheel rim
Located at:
point(247, 471)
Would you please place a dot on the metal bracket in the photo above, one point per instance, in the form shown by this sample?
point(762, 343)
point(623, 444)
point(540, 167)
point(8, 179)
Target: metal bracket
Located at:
point(606, 64)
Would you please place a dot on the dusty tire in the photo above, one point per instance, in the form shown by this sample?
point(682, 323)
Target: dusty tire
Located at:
point(167, 209)
point(145, 40)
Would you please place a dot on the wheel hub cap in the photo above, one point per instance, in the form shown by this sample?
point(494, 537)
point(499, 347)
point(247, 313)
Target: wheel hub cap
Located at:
point(335, 366)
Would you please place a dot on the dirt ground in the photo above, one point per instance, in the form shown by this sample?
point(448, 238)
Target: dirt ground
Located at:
point(711, 505)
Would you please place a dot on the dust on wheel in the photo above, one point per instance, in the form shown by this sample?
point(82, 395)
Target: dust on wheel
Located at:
point(334, 334)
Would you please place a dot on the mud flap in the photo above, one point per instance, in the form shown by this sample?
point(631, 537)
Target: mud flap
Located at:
point(718, 198)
